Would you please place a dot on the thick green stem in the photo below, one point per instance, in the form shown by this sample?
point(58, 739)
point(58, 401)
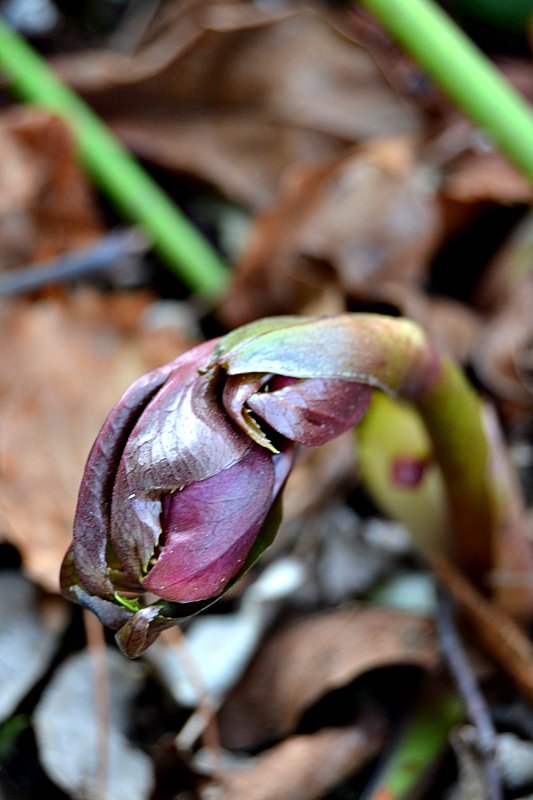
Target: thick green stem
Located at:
point(462, 72)
point(452, 414)
point(184, 250)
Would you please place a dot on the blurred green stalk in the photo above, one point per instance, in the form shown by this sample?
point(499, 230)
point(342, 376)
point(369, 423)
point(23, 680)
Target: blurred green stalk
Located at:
point(419, 748)
point(118, 174)
point(462, 72)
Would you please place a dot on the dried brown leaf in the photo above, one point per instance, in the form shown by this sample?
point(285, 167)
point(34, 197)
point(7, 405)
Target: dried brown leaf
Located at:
point(512, 549)
point(502, 638)
point(65, 366)
point(503, 356)
point(370, 215)
point(46, 205)
point(478, 177)
point(233, 94)
point(300, 768)
point(313, 656)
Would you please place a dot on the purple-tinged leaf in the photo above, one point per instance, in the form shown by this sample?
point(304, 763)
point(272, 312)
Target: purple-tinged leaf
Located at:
point(312, 411)
point(210, 527)
point(237, 390)
point(385, 352)
point(141, 630)
point(92, 513)
point(182, 437)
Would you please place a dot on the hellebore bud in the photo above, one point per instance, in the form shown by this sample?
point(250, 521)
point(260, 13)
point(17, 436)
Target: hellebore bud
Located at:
point(180, 492)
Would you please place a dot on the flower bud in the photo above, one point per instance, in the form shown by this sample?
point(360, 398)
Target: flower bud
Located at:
point(180, 492)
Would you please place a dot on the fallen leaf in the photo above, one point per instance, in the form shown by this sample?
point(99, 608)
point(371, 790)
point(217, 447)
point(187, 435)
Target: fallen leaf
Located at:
point(512, 555)
point(217, 84)
point(30, 630)
point(485, 177)
point(300, 768)
point(313, 656)
point(502, 358)
point(46, 204)
point(369, 215)
point(68, 731)
point(210, 656)
point(67, 364)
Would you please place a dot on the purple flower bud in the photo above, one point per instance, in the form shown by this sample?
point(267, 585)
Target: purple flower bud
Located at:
point(179, 494)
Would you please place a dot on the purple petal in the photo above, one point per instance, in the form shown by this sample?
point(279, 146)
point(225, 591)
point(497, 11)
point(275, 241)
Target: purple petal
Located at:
point(92, 513)
point(182, 437)
point(138, 633)
point(210, 527)
point(237, 390)
point(312, 411)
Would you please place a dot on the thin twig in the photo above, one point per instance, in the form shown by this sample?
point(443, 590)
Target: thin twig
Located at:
point(496, 631)
point(476, 708)
point(94, 633)
point(74, 265)
point(131, 188)
point(203, 722)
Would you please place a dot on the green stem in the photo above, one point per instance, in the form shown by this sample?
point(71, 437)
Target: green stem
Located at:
point(451, 412)
point(183, 249)
point(420, 747)
point(462, 72)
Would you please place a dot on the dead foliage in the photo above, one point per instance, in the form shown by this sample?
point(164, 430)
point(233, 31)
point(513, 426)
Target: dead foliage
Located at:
point(321, 159)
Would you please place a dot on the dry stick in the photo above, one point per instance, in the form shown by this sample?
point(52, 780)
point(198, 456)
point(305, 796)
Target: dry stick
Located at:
point(496, 631)
point(205, 715)
point(126, 183)
point(476, 708)
point(94, 633)
point(101, 255)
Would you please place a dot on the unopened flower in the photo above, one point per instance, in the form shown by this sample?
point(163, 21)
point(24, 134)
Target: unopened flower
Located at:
point(180, 492)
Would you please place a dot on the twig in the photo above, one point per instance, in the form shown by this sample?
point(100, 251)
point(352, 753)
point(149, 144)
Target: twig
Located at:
point(71, 266)
point(462, 72)
point(94, 633)
point(498, 634)
point(203, 722)
point(182, 247)
point(475, 706)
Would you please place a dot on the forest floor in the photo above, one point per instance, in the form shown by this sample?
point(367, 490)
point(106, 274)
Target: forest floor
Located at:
point(332, 175)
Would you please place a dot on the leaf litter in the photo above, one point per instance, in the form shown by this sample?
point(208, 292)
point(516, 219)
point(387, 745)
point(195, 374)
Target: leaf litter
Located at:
point(356, 187)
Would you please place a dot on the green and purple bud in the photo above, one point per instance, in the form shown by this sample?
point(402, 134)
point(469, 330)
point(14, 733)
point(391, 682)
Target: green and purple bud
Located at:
point(181, 490)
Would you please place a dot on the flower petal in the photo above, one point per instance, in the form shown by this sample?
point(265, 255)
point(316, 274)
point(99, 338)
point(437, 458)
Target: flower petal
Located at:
point(311, 411)
point(210, 527)
point(182, 437)
point(141, 629)
point(91, 522)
